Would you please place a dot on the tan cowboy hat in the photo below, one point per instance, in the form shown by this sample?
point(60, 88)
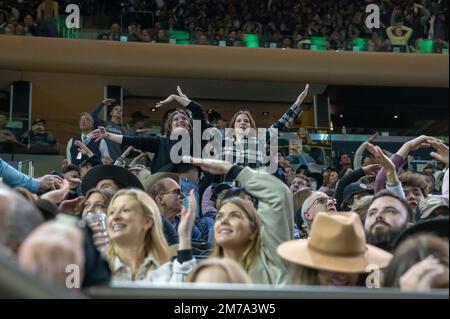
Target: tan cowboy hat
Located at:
point(148, 179)
point(337, 243)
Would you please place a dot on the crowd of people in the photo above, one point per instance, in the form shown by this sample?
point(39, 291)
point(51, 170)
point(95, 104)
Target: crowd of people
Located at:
point(132, 206)
point(285, 23)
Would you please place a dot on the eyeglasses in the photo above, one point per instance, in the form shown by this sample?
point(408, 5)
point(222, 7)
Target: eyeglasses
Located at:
point(321, 201)
point(177, 192)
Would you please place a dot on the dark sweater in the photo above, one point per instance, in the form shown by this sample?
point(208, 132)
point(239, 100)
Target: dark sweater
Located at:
point(162, 145)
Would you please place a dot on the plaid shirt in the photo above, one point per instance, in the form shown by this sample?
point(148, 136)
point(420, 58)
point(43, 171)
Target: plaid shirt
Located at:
point(251, 151)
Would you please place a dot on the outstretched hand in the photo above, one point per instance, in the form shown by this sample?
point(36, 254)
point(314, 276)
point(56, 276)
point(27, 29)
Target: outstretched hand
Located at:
point(442, 151)
point(213, 166)
point(99, 134)
point(187, 222)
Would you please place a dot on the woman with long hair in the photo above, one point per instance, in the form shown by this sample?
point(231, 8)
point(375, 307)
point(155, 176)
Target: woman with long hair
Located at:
point(247, 235)
point(179, 125)
point(138, 250)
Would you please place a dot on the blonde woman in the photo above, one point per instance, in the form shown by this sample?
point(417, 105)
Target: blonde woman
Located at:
point(246, 235)
point(219, 270)
point(138, 250)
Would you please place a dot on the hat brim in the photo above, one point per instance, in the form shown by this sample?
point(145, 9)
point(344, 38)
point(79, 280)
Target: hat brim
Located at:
point(432, 209)
point(116, 173)
point(299, 252)
point(436, 225)
point(149, 180)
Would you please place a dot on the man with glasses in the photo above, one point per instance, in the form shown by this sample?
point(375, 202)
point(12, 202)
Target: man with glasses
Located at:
point(169, 197)
point(314, 204)
point(388, 215)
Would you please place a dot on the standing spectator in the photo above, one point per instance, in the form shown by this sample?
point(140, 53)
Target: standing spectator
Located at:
point(48, 18)
point(138, 125)
point(114, 125)
point(75, 153)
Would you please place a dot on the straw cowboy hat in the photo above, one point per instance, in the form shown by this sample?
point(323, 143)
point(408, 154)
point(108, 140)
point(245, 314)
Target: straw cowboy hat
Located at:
point(337, 243)
point(148, 179)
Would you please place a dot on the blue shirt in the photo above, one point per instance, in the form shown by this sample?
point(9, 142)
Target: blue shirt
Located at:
point(14, 178)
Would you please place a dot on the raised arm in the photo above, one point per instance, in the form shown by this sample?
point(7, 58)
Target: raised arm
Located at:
point(399, 158)
point(147, 143)
point(408, 33)
point(292, 113)
point(359, 152)
point(96, 111)
point(275, 203)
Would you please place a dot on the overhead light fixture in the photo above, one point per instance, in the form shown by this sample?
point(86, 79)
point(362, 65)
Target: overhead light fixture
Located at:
point(153, 109)
point(265, 113)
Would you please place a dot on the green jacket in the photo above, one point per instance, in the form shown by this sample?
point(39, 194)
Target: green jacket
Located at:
point(276, 210)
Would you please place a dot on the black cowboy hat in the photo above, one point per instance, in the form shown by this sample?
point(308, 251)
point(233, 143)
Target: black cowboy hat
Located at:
point(116, 173)
point(437, 226)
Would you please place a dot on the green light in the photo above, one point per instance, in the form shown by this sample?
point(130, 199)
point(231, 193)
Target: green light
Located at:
point(359, 44)
point(251, 40)
point(318, 44)
point(426, 46)
point(181, 37)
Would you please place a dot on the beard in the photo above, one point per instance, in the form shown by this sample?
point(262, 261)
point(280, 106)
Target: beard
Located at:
point(384, 240)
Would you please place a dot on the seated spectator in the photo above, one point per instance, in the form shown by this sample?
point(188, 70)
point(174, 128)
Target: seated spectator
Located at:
point(72, 172)
point(415, 188)
point(219, 270)
point(354, 192)
point(299, 227)
point(314, 204)
point(165, 189)
point(388, 215)
point(109, 176)
point(420, 263)
point(399, 35)
point(241, 232)
point(138, 250)
point(433, 206)
point(377, 43)
point(336, 254)
point(38, 137)
point(60, 243)
point(7, 137)
point(361, 206)
point(300, 182)
point(18, 218)
point(30, 26)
